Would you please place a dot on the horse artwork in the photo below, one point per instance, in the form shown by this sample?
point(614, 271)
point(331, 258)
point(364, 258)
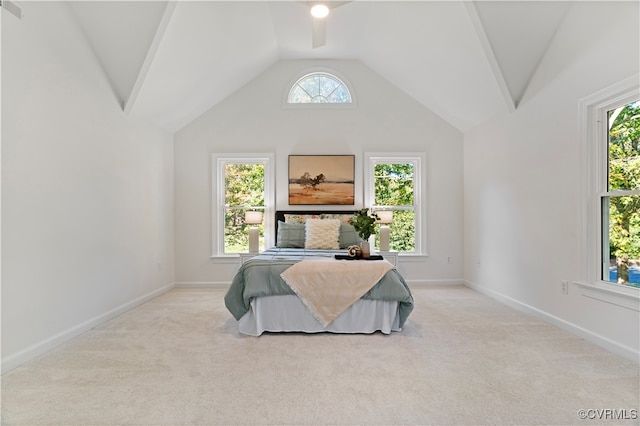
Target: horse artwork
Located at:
point(321, 179)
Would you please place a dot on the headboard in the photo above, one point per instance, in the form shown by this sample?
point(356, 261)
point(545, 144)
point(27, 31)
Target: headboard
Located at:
point(280, 215)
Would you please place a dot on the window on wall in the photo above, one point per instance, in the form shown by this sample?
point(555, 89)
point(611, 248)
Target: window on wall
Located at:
point(393, 182)
point(610, 158)
point(620, 193)
point(242, 182)
point(319, 88)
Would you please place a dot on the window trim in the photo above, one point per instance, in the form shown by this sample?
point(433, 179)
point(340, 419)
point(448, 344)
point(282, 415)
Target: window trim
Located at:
point(218, 161)
point(324, 70)
point(419, 159)
point(593, 155)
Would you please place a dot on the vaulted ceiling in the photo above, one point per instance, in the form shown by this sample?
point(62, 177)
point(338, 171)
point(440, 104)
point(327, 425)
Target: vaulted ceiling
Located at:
point(466, 61)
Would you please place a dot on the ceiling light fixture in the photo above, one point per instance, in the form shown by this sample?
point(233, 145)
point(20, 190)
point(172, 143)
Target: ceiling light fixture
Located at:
point(319, 11)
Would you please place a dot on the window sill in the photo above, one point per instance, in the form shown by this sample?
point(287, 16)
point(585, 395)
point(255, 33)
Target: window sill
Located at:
point(406, 257)
point(627, 297)
point(231, 258)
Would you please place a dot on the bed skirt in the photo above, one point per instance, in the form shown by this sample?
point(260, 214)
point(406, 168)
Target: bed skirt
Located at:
point(288, 313)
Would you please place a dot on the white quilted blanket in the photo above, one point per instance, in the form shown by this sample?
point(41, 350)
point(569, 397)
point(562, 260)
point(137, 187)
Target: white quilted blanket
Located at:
point(328, 287)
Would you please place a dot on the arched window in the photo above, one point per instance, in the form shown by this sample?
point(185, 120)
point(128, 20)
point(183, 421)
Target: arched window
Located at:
point(319, 88)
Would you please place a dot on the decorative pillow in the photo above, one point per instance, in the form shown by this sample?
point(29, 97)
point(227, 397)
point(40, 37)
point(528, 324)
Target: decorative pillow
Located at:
point(348, 236)
point(322, 234)
point(290, 235)
point(302, 218)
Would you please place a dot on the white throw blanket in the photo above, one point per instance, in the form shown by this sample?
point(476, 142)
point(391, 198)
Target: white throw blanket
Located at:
point(328, 287)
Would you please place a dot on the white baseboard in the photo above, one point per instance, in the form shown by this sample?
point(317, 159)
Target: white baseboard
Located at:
point(203, 284)
point(430, 283)
point(14, 360)
point(605, 343)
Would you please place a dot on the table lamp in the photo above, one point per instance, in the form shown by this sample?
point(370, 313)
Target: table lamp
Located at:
point(253, 218)
point(384, 218)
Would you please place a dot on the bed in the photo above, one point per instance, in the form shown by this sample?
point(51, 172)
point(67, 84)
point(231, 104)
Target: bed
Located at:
point(293, 288)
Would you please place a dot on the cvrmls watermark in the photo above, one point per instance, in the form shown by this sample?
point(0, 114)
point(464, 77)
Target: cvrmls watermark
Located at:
point(608, 414)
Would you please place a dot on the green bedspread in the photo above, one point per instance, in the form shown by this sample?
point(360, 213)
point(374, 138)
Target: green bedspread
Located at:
point(260, 276)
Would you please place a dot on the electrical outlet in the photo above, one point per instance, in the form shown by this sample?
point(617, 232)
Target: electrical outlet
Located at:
point(449, 259)
point(564, 287)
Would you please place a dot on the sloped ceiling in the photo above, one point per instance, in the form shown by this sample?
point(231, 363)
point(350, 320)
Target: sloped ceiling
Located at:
point(120, 34)
point(172, 61)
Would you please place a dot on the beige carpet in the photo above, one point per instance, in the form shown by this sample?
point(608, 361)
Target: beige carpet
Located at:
point(462, 359)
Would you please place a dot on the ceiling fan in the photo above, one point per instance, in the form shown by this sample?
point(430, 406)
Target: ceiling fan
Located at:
point(319, 11)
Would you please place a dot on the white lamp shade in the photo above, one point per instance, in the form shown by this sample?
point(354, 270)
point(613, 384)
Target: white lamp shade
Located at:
point(253, 218)
point(385, 216)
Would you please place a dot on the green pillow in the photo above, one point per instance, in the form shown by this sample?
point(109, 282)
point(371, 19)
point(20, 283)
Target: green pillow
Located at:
point(348, 236)
point(290, 235)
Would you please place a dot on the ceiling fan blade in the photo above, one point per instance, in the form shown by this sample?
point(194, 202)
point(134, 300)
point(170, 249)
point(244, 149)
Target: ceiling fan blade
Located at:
point(319, 36)
point(334, 4)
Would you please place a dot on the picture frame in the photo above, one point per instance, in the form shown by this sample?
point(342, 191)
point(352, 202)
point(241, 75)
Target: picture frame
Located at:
point(321, 179)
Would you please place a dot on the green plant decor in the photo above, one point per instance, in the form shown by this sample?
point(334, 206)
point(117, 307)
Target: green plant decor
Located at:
point(363, 223)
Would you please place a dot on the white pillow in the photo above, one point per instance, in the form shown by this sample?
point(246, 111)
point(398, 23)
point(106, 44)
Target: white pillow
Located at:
point(322, 234)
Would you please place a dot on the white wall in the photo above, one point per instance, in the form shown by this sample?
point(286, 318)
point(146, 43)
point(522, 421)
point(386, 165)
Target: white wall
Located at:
point(87, 193)
point(253, 120)
point(522, 182)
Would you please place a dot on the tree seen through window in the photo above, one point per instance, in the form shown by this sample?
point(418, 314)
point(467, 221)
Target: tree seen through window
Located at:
point(394, 190)
point(621, 203)
point(244, 190)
